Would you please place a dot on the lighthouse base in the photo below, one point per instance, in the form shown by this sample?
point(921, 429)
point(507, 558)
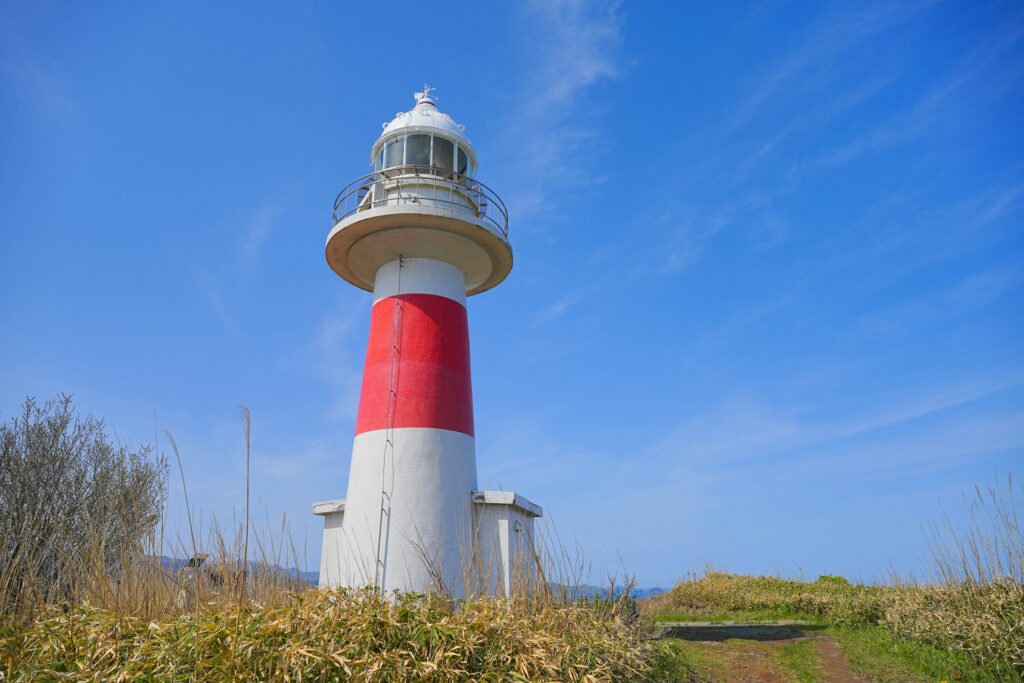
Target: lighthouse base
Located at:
point(502, 558)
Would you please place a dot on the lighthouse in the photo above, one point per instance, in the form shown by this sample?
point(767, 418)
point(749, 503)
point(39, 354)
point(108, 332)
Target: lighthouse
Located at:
point(423, 234)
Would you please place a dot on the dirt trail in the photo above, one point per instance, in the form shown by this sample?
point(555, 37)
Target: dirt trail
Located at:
point(754, 664)
point(836, 668)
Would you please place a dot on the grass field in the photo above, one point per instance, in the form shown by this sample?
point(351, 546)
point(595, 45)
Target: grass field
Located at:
point(884, 633)
point(966, 624)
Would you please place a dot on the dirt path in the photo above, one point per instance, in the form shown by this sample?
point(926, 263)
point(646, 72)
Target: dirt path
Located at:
point(836, 667)
point(736, 653)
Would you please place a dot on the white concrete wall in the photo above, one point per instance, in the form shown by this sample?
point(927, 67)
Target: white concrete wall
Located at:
point(500, 560)
point(420, 276)
point(426, 528)
point(333, 549)
point(505, 552)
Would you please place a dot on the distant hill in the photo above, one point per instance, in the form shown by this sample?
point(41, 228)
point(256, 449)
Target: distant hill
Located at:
point(602, 592)
point(175, 564)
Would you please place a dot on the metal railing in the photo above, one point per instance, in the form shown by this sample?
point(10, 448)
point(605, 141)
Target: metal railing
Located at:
point(424, 185)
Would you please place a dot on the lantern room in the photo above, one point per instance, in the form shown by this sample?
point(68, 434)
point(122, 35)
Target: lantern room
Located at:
point(424, 138)
point(422, 200)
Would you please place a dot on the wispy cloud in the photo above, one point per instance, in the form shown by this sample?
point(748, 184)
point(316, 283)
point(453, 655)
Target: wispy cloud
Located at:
point(924, 113)
point(254, 236)
point(30, 72)
point(921, 452)
point(551, 130)
point(681, 231)
point(835, 34)
point(750, 431)
point(216, 297)
point(711, 340)
point(335, 354)
point(559, 307)
point(222, 282)
point(580, 44)
point(684, 241)
point(302, 463)
point(41, 86)
point(985, 287)
point(727, 159)
point(959, 298)
point(913, 230)
point(1006, 200)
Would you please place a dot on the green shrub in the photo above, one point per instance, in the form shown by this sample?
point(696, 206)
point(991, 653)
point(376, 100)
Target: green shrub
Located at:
point(71, 500)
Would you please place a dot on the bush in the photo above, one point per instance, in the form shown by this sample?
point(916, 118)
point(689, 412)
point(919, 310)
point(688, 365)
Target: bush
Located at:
point(70, 500)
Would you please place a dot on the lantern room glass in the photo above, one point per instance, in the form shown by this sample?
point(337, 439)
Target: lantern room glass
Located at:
point(394, 152)
point(423, 150)
point(444, 151)
point(417, 150)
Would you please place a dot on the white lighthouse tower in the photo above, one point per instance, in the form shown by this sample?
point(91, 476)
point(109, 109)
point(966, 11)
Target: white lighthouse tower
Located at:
point(422, 234)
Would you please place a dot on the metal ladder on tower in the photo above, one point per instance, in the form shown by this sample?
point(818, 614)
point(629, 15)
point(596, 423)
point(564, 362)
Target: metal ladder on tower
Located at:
point(389, 432)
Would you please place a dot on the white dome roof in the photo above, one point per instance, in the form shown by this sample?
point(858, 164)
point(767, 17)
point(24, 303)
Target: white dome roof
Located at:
point(425, 115)
point(425, 118)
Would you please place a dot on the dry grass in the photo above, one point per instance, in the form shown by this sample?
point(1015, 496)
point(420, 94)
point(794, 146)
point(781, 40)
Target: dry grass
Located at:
point(220, 623)
point(334, 635)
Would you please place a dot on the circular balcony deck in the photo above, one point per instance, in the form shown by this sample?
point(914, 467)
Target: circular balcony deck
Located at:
point(420, 212)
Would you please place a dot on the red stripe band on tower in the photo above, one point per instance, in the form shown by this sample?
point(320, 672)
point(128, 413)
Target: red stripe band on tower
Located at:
point(430, 375)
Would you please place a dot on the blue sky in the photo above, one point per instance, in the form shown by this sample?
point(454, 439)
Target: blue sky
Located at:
point(766, 307)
